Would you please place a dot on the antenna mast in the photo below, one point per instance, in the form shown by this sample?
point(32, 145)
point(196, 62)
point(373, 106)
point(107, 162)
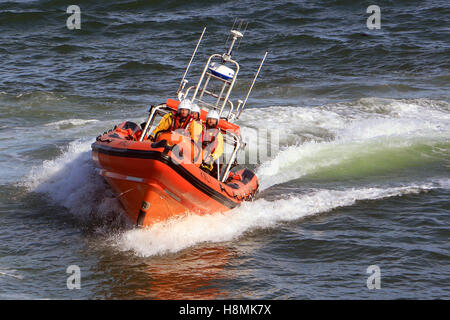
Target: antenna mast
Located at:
point(251, 87)
point(183, 81)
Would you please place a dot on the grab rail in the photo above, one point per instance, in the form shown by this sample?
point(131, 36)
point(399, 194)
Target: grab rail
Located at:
point(150, 119)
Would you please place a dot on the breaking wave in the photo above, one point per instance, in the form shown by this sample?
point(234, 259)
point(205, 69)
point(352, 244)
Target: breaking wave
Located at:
point(70, 122)
point(178, 234)
point(72, 181)
point(370, 133)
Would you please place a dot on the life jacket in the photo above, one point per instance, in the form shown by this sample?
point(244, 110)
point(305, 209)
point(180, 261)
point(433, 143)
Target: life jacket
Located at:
point(209, 138)
point(176, 123)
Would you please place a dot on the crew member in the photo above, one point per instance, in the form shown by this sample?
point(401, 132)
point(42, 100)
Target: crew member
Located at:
point(195, 112)
point(175, 120)
point(196, 126)
point(212, 143)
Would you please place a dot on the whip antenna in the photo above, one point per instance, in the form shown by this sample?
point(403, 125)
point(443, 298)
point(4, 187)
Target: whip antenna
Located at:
point(226, 42)
point(251, 87)
point(183, 81)
point(243, 33)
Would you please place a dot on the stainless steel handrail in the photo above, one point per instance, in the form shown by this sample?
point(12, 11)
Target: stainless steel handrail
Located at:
point(233, 155)
point(150, 119)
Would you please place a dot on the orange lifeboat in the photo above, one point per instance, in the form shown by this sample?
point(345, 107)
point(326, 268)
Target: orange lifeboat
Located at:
point(158, 180)
point(162, 179)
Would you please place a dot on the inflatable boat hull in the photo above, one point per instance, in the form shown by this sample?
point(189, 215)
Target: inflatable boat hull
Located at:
point(154, 183)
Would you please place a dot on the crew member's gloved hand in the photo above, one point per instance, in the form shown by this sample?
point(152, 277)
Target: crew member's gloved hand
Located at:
point(209, 160)
point(208, 163)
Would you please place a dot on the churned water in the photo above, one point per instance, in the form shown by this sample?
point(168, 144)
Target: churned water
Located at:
point(360, 178)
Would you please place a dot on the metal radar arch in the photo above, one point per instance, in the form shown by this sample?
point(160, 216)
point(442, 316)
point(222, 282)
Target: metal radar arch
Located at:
point(217, 80)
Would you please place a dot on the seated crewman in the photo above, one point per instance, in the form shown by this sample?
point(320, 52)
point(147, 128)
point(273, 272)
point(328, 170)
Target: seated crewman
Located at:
point(175, 120)
point(212, 143)
point(195, 112)
point(195, 126)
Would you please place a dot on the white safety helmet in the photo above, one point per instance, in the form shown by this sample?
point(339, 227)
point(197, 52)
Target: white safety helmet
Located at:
point(212, 114)
point(185, 104)
point(195, 108)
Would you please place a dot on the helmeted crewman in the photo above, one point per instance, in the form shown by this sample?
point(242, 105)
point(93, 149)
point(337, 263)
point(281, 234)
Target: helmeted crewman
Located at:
point(196, 125)
point(179, 120)
point(212, 141)
point(195, 112)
